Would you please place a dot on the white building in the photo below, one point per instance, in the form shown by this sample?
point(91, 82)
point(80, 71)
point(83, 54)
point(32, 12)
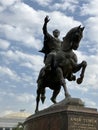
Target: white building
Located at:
point(10, 121)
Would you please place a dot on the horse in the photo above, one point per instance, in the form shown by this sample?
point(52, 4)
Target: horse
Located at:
point(61, 66)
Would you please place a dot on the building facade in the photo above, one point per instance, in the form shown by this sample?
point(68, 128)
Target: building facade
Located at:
point(11, 121)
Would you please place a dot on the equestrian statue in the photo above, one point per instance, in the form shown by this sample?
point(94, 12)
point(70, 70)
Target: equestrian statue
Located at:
point(60, 61)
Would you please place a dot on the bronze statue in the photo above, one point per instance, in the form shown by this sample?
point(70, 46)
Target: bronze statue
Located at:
point(61, 65)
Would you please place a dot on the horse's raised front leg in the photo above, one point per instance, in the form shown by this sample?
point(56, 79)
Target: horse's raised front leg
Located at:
point(62, 82)
point(80, 79)
point(77, 68)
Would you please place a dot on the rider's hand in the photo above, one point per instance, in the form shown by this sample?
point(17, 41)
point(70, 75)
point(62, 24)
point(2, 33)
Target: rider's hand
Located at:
point(46, 19)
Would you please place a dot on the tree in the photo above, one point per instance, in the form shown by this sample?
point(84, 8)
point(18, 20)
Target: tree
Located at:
point(19, 126)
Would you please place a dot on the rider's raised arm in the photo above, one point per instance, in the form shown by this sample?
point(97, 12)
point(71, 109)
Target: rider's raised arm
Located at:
point(46, 20)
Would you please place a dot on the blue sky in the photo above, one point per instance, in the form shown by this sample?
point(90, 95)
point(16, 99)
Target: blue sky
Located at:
point(21, 38)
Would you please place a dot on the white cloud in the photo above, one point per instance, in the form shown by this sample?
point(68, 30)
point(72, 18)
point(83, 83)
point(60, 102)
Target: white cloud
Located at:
point(6, 112)
point(21, 35)
point(91, 76)
point(27, 64)
point(90, 8)
point(90, 103)
point(22, 25)
point(91, 29)
point(4, 44)
point(8, 2)
point(5, 71)
point(43, 2)
point(69, 5)
point(31, 61)
point(27, 78)
point(20, 56)
point(34, 61)
point(25, 97)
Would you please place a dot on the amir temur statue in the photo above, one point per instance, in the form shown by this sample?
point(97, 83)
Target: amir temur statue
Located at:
point(60, 61)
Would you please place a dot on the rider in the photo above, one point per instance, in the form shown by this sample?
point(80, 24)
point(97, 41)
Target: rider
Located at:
point(52, 44)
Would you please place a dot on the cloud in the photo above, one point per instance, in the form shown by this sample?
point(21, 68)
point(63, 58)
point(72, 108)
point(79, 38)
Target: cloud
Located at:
point(25, 98)
point(22, 25)
point(92, 30)
point(28, 66)
point(23, 57)
point(5, 71)
point(6, 112)
point(8, 2)
point(43, 2)
point(90, 103)
point(23, 36)
point(90, 8)
point(69, 5)
point(91, 76)
point(29, 79)
point(4, 45)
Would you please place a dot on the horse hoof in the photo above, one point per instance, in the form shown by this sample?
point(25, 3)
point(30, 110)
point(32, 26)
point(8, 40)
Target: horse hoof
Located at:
point(67, 95)
point(43, 99)
point(73, 77)
point(84, 63)
point(36, 111)
point(53, 100)
point(79, 80)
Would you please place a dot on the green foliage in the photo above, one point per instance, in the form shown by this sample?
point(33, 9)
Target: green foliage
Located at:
point(18, 127)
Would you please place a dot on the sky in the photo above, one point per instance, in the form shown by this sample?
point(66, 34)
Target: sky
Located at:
point(21, 38)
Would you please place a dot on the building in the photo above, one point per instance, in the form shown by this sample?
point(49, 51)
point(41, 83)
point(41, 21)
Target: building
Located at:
point(11, 121)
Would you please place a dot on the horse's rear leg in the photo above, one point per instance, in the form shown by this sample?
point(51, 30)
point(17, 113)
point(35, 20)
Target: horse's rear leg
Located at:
point(43, 95)
point(37, 100)
point(54, 95)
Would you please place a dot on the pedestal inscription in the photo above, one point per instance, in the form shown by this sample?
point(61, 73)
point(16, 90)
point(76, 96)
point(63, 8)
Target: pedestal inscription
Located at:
point(82, 123)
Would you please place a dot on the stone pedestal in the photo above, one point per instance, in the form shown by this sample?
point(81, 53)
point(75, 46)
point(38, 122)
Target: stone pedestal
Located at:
point(69, 114)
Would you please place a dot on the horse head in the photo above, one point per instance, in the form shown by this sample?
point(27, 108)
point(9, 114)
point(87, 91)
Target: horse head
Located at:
point(72, 38)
